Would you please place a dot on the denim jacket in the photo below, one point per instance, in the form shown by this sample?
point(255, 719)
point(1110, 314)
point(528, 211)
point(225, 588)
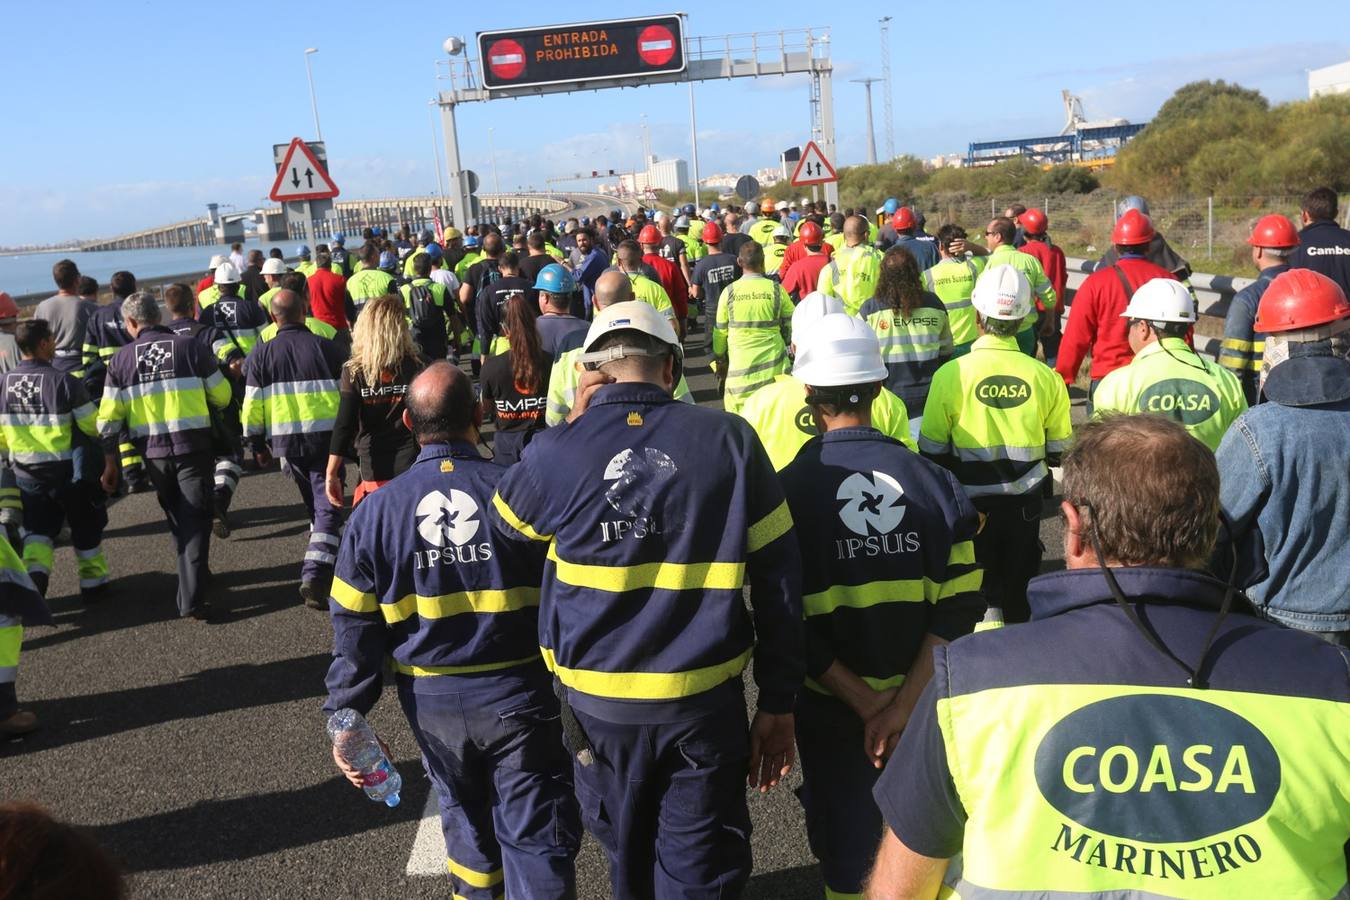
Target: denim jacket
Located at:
point(1285, 489)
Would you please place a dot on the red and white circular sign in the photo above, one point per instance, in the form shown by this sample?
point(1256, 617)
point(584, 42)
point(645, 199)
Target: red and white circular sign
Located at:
point(506, 59)
point(656, 45)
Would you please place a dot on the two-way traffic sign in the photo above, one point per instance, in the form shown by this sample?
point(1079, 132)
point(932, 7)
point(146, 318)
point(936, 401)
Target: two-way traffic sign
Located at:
point(813, 168)
point(301, 176)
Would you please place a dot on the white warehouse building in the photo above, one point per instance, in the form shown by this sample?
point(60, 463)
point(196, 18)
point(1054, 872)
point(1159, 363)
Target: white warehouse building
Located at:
point(1329, 80)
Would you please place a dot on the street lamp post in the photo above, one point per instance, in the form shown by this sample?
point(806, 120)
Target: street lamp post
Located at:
point(492, 150)
point(313, 101)
point(436, 153)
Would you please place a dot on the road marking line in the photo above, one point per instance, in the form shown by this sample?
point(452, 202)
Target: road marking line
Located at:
point(428, 852)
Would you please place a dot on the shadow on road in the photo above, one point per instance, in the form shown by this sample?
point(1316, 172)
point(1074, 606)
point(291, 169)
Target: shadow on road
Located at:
point(801, 881)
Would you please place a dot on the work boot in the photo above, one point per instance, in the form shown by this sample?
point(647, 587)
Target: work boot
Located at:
point(22, 722)
point(202, 612)
point(220, 523)
point(314, 594)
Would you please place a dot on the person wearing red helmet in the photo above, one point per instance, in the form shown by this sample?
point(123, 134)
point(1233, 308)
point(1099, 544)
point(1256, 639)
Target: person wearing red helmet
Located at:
point(1157, 251)
point(797, 249)
point(1273, 241)
point(1095, 325)
point(799, 277)
point(904, 224)
point(713, 273)
point(1035, 226)
point(1283, 477)
point(667, 273)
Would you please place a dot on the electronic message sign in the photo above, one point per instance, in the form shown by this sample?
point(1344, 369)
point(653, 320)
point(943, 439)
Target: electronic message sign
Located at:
point(589, 51)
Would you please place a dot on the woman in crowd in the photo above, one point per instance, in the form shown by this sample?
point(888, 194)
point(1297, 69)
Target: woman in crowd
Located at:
point(515, 383)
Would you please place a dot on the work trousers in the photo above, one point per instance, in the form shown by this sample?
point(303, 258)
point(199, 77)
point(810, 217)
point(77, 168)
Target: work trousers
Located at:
point(47, 505)
point(11, 505)
point(667, 804)
point(325, 520)
point(132, 463)
point(1009, 549)
point(183, 486)
point(843, 824)
point(495, 757)
point(11, 638)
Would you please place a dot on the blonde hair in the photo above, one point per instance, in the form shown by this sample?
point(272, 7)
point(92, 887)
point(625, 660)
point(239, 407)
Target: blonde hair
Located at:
point(381, 339)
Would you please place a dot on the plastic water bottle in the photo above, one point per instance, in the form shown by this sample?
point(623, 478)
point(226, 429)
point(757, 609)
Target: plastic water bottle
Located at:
point(357, 745)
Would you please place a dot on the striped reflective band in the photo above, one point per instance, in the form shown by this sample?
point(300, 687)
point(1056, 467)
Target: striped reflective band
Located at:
point(665, 576)
point(303, 426)
point(446, 605)
point(32, 420)
point(170, 426)
point(769, 529)
point(774, 363)
point(646, 685)
point(516, 521)
point(350, 598)
point(1020, 486)
point(432, 671)
point(876, 684)
point(861, 596)
point(1243, 346)
point(764, 323)
point(989, 454)
point(472, 877)
point(928, 445)
point(313, 386)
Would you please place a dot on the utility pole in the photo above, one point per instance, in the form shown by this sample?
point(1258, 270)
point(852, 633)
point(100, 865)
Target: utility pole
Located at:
point(313, 101)
point(693, 141)
point(885, 29)
point(871, 134)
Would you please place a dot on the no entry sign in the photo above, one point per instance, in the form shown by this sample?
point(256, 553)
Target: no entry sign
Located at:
point(586, 51)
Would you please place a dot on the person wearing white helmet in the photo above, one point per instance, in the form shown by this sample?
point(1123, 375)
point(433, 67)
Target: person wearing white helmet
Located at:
point(886, 540)
point(779, 412)
point(999, 419)
point(1167, 376)
point(752, 216)
point(776, 249)
point(272, 271)
point(656, 515)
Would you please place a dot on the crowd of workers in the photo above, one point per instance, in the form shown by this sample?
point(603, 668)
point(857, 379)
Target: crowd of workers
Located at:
point(565, 620)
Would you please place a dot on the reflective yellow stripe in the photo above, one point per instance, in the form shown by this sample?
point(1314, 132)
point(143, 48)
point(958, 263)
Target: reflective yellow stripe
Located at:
point(516, 521)
point(861, 596)
point(961, 584)
point(1244, 346)
point(770, 528)
point(426, 671)
point(472, 877)
point(841, 895)
point(446, 605)
point(349, 597)
point(962, 554)
point(662, 575)
point(647, 685)
point(876, 684)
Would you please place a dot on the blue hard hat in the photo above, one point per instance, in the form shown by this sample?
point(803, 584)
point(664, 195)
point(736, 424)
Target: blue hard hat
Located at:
point(890, 206)
point(471, 240)
point(715, 206)
point(555, 279)
point(377, 231)
point(1133, 201)
point(303, 252)
point(388, 259)
point(688, 209)
point(339, 239)
point(434, 251)
point(585, 220)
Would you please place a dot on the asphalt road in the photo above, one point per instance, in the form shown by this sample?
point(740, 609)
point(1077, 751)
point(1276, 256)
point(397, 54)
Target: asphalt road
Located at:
point(196, 752)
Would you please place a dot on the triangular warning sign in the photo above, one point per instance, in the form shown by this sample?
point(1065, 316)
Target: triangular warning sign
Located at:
point(813, 168)
point(301, 176)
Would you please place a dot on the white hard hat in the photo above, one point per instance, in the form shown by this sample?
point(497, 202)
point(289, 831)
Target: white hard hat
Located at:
point(1002, 292)
point(812, 308)
point(217, 260)
point(782, 231)
point(273, 266)
point(631, 315)
point(843, 351)
point(752, 207)
point(226, 273)
point(781, 205)
point(792, 204)
point(662, 216)
point(1161, 300)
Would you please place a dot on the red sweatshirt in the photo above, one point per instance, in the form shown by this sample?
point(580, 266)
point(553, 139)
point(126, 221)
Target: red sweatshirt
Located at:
point(1095, 325)
point(672, 279)
point(797, 250)
point(1051, 259)
point(327, 298)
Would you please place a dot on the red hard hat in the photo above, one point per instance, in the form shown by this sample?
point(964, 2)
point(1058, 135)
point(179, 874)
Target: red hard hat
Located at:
point(8, 308)
point(810, 233)
point(1274, 231)
point(1033, 221)
point(649, 234)
point(903, 219)
point(1300, 298)
point(1132, 228)
point(712, 234)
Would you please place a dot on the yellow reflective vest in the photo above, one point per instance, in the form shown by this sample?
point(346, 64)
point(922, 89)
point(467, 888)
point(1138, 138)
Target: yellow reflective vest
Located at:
point(753, 328)
point(851, 275)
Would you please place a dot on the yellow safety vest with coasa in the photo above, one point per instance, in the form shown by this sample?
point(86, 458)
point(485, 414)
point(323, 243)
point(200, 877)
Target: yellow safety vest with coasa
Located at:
point(851, 275)
point(753, 328)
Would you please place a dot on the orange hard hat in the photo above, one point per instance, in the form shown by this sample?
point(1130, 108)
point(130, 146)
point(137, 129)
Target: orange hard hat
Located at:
point(8, 308)
point(1300, 298)
point(649, 234)
point(811, 233)
point(1033, 221)
point(712, 234)
point(1274, 231)
point(1132, 228)
point(903, 219)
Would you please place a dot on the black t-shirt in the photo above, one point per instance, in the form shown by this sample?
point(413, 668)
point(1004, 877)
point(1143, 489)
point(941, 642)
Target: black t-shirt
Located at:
point(370, 419)
point(530, 266)
point(714, 272)
point(732, 243)
point(512, 409)
point(477, 273)
point(672, 248)
point(491, 303)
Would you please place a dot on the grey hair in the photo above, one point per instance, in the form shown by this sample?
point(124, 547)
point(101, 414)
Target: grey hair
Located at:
point(1001, 327)
point(1277, 252)
point(143, 307)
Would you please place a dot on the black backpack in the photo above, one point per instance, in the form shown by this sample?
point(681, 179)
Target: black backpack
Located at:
point(428, 319)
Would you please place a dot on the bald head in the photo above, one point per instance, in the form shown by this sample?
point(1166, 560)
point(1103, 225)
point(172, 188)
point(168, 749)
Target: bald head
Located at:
point(611, 288)
point(439, 406)
point(288, 308)
point(855, 229)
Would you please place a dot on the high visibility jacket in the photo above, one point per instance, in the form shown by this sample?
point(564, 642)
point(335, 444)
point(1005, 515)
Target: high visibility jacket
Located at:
point(239, 321)
point(773, 257)
point(1170, 379)
point(368, 284)
point(422, 580)
point(433, 335)
point(851, 275)
point(210, 337)
point(780, 416)
point(1095, 324)
point(565, 377)
point(886, 540)
point(953, 280)
point(462, 267)
point(20, 605)
point(408, 261)
point(161, 387)
point(291, 393)
point(761, 230)
point(322, 329)
point(306, 267)
point(642, 615)
point(1243, 349)
point(553, 251)
point(752, 331)
point(695, 249)
point(836, 241)
point(210, 294)
point(998, 419)
point(104, 335)
point(1041, 290)
point(265, 301)
point(912, 348)
point(1069, 757)
point(40, 408)
point(652, 293)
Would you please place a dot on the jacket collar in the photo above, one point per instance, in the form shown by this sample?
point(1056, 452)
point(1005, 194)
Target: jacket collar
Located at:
point(1310, 377)
point(629, 392)
point(995, 342)
point(452, 449)
point(33, 364)
point(1175, 344)
point(1272, 273)
point(1059, 592)
point(151, 330)
point(856, 434)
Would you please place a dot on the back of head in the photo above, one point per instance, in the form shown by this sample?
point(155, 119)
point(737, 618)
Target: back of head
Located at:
point(295, 281)
point(510, 261)
point(493, 245)
point(948, 234)
point(381, 338)
point(1004, 228)
point(629, 254)
point(422, 265)
point(611, 288)
point(370, 254)
point(288, 307)
point(179, 301)
point(66, 275)
point(855, 228)
point(88, 286)
point(123, 285)
point(44, 859)
point(440, 403)
point(535, 241)
point(1321, 205)
point(30, 334)
point(141, 307)
point(1148, 491)
point(323, 259)
point(751, 257)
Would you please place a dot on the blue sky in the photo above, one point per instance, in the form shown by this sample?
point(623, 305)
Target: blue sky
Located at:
point(125, 115)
